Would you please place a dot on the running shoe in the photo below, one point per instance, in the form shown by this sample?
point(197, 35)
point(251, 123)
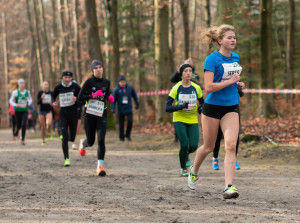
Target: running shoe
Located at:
point(60, 137)
point(188, 162)
point(81, 147)
point(74, 146)
point(215, 164)
point(192, 179)
point(14, 138)
point(101, 171)
point(67, 162)
point(184, 172)
point(23, 143)
point(230, 192)
point(43, 143)
point(237, 167)
point(50, 138)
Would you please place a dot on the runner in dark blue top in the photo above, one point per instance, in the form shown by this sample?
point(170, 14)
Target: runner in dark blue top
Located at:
point(221, 81)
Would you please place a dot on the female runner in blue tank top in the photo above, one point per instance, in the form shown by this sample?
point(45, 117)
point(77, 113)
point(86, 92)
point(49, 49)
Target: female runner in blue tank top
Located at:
point(221, 81)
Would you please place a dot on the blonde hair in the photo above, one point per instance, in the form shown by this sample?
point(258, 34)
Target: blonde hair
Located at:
point(214, 33)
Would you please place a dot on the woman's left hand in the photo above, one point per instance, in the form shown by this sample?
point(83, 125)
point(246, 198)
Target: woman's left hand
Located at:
point(74, 98)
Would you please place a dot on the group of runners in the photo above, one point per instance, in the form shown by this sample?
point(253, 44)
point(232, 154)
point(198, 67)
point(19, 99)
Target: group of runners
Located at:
point(219, 111)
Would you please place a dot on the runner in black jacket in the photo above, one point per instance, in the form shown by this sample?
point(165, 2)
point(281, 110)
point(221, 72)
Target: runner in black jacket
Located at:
point(68, 92)
point(94, 93)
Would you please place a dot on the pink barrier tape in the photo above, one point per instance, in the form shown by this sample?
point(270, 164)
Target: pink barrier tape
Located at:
point(246, 90)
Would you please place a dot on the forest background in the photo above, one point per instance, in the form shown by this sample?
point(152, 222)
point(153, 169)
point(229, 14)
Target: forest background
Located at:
point(147, 40)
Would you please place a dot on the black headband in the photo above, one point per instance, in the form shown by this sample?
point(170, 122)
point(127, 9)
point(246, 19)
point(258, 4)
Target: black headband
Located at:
point(181, 69)
point(67, 73)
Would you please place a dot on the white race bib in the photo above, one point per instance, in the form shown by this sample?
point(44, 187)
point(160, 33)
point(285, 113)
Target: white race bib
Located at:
point(95, 107)
point(191, 99)
point(230, 69)
point(47, 99)
point(66, 99)
point(125, 100)
point(22, 103)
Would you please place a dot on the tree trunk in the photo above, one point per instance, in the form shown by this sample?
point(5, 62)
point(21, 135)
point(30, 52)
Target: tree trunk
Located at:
point(38, 45)
point(94, 44)
point(55, 42)
point(34, 42)
point(184, 5)
point(162, 56)
point(76, 41)
point(5, 68)
point(225, 8)
point(115, 41)
point(290, 50)
point(266, 102)
point(45, 35)
point(172, 37)
point(208, 21)
point(62, 55)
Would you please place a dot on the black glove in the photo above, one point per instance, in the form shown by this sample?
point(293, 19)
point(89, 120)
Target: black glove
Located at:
point(185, 105)
point(137, 107)
point(241, 93)
point(200, 109)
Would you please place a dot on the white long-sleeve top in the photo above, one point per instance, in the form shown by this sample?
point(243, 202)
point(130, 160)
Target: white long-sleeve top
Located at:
point(14, 95)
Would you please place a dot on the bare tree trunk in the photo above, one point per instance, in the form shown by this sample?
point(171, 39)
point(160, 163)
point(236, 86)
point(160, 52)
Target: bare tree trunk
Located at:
point(38, 45)
point(55, 43)
point(266, 102)
point(76, 42)
point(290, 50)
point(184, 5)
point(94, 44)
point(172, 36)
point(162, 56)
point(45, 35)
point(62, 43)
point(34, 42)
point(5, 69)
point(208, 21)
point(115, 40)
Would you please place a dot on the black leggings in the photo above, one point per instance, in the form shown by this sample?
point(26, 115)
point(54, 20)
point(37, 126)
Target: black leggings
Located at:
point(14, 124)
point(91, 125)
point(68, 124)
point(21, 120)
point(121, 125)
point(218, 142)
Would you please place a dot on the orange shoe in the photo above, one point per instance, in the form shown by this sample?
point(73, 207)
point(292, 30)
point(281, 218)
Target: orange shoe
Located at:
point(101, 171)
point(81, 149)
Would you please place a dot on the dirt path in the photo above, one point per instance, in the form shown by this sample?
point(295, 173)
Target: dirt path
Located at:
point(141, 186)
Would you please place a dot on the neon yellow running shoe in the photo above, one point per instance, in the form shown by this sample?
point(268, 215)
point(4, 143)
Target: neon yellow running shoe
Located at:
point(50, 138)
point(192, 179)
point(230, 192)
point(43, 143)
point(67, 162)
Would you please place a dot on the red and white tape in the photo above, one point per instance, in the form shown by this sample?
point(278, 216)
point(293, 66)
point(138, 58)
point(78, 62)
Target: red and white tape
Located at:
point(246, 90)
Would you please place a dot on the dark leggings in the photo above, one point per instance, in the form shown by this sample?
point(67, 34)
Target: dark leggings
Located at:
point(121, 125)
point(91, 125)
point(68, 123)
point(188, 135)
point(14, 124)
point(21, 120)
point(218, 142)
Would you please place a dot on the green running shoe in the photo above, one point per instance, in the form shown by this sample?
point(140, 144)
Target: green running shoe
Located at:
point(61, 137)
point(43, 143)
point(230, 192)
point(184, 172)
point(50, 138)
point(192, 179)
point(67, 162)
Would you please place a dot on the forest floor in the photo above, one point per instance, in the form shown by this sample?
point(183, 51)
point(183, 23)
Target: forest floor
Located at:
point(143, 183)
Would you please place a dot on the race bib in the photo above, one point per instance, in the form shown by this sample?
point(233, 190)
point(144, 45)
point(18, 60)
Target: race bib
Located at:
point(95, 107)
point(191, 99)
point(47, 99)
point(125, 100)
point(230, 69)
point(66, 99)
point(22, 103)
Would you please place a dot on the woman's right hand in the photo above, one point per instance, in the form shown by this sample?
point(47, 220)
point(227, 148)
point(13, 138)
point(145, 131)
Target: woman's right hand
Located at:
point(235, 78)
